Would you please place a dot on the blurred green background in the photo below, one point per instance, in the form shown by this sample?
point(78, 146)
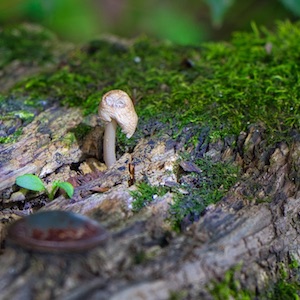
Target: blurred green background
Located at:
point(181, 21)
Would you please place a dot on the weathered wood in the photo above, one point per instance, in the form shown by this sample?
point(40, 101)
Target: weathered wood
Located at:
point(43, 148)
point(237, 230)
point(256, 224)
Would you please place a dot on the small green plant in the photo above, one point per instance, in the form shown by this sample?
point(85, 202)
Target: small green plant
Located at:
point(34, 183)
point(144, 195)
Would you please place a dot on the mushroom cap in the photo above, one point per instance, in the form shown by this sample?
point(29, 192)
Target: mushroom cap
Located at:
point(117, 105)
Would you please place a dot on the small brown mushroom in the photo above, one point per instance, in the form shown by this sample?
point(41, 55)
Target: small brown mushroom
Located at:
point(115, 108)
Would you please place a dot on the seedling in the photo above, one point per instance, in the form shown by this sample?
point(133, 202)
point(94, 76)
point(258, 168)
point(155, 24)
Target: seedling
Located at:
point(34, 183)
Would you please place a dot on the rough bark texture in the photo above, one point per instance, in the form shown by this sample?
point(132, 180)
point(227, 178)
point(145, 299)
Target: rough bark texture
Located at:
point(144, 258)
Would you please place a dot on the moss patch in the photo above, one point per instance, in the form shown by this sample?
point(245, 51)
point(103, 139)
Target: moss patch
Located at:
point(11, 138)
point(26, 43)
point(254, 78)
point(283, 289)
point(15, 114)
point(25, 49)
point(287, 286)
point(229, 288)
point(203, 189)
point(145, 194)
point(81, 131)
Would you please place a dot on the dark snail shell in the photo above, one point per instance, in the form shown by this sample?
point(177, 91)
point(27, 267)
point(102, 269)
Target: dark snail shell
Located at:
point(58, 231)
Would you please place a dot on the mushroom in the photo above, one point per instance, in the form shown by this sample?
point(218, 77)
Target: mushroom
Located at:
point(115, 108)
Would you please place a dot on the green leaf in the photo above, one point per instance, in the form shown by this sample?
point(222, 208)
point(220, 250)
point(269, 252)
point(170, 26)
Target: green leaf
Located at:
point(30, 182)
point(67, 187)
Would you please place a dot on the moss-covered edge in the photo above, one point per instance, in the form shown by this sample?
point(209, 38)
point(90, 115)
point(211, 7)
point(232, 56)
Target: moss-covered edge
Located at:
point(226, 85)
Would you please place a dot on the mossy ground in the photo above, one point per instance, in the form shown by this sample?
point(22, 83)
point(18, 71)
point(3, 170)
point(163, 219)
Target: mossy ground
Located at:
point(254, 78)
point(27, 43)
point(224, 86)
point(228, 85)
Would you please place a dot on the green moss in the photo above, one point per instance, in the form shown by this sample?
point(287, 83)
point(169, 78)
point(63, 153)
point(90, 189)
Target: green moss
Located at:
point(178, 295)
point(294, 264)
point(11, 138)
point(25, 116)
point(203, 189)
point(229, 288)
point(145, 194)
point(254, 78)
point(287, 286)
point(260, 200)
point(81, 130)
point(140, 257)
point(14, 116)
point(68, 139)
point(283, 289)
point(26, 43)
point(226, 86)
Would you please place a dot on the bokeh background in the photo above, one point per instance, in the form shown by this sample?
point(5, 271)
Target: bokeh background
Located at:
point(181, 21)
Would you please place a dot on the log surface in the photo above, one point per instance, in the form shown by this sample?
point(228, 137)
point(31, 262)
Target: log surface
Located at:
point(144, 258)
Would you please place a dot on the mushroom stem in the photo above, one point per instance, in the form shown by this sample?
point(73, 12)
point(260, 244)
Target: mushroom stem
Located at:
point(109, 143)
